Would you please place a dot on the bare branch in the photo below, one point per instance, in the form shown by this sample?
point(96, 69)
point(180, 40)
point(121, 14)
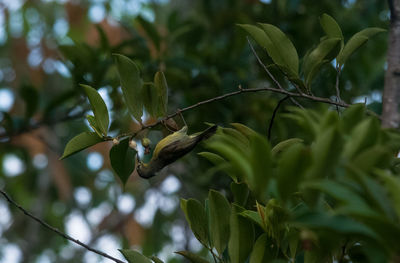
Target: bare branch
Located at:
point(274, 115)
point(55, 230)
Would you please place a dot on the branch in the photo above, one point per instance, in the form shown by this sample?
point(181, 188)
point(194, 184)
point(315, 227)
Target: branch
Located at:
point(51, 228)
point(391, 91)
point(39, 124)
point(231, 94)
point(270, 74)
point(274, 115)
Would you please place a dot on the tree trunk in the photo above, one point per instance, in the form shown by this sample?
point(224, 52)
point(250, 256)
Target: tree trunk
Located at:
point(391, 92)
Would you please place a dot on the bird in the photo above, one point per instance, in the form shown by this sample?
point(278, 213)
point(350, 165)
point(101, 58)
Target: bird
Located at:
point(171, 148)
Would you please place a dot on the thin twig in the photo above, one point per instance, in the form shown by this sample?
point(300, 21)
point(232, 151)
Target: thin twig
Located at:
point(270, 74)
point(51, 228)
point(231, 94)
point(274, 115)
point(337, 83)
point(41, 123)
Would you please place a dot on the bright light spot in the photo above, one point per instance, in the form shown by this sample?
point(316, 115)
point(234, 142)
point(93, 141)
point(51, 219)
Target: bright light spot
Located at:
point(83, 196)
point(35, 57)
point(94, 161)
point(32, 15)
point(5, 219)
point(177, 233)
point(46, 257)
point(170, 185)
point(194, 244)
point(126, 203)
point(105, 96)
point(110, 245)
point(145, 214)
point(48, 66)
point(398, 155)
point(132, 7)
point(168, 204)
point(148, 14)
point(61, 27)
point(167, 253)
point(77, 227)
point(12, 165)
point(97, 13)
point(3, 35)
point(67, 252)
point(6, 99)
point(40, 161)
point(265, 1)
point(376, 96)
point(13, 5)
point(103, 178)
point(10, 253)
point(62, 69)
point(96, 215)
point(35, 35)
point(16, 24)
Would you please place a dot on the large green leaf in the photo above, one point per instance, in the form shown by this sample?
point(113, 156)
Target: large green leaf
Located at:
point(161, 86)
point(291, 167)
point(283, 145)
point(323, 53)
point(197, 219)
point(80, 142)
point(392, 185)
point(282, 50)
point(219, 220)
point(193, 258)
point(134, 257)
point(240, 193)
point(331, 27)
point(261, 163)
point(131, 85)
point(99, 108)
point(261, 252)
point(241, 236)
point(150, 99)
point(356, 41)
point(122, 158)
point(364, 135)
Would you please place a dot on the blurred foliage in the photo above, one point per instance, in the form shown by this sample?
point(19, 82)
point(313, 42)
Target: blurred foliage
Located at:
point(203, 54)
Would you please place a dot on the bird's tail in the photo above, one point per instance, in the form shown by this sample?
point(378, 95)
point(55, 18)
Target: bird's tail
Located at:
point(207, 133)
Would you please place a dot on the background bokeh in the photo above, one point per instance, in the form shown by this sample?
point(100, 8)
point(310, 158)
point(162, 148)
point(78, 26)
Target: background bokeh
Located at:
point(48, 47)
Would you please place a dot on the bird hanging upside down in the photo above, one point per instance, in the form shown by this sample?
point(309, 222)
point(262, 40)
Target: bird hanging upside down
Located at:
point(171, 148)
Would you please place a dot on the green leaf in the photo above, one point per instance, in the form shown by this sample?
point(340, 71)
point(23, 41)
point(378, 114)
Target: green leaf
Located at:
point(133, 256)
point(131, 85)
point(150, 99)
point(364, 135)
point(283, 145)
point(162, 92)
point(325, 152)
point(291, 167)
point(241, 236)
point(99, 108)
point(156, 259)
point(93, 124)
point(240, 193)
point(255, 217)
point(325, 52)
point(197, 219)
point(392, 185)
point(80, 142)
point(356, 41)
point(150, 30)
point(262, 250)
point(192, 257)
point(219, 220)
point(331, 28)
point(352, 116)
point(282, 50)
point(122, 158)
point(261, 163)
